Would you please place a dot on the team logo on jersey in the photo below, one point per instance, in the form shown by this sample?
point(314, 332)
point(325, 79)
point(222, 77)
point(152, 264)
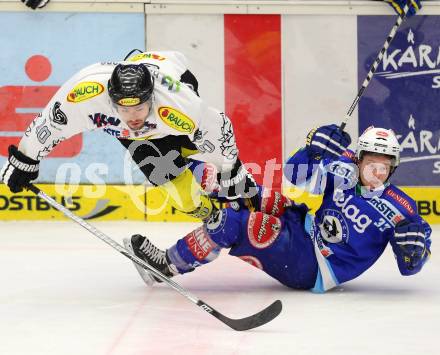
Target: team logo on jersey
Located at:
point(252, 260)
point(142, 56)
point(333, 227)
point(57, 115)
point(85, 91)
point(176, 119)
point(129, 101)
point(263, 229)
point(217, 221)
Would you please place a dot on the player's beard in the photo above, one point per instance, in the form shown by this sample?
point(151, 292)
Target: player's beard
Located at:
point(136, 124)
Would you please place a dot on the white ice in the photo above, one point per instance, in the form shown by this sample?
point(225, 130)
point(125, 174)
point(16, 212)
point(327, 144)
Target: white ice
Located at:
point(65, 292)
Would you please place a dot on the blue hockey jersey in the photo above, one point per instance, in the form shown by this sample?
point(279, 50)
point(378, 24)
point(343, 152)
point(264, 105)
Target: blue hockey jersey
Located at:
point(353, 226)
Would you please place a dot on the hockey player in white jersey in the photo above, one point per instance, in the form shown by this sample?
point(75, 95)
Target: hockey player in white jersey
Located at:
point(361, 213)
point(151, 105)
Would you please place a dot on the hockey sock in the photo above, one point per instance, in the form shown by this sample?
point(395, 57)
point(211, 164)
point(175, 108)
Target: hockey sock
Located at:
point(195, 249)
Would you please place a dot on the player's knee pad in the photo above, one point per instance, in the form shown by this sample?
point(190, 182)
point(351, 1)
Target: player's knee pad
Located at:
point(262, 229)
point(273, 202)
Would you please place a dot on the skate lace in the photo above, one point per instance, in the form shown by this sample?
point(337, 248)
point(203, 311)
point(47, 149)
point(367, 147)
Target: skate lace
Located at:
point(154, 253)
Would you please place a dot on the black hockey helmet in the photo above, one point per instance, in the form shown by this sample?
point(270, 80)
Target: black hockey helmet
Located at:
point(130, 84)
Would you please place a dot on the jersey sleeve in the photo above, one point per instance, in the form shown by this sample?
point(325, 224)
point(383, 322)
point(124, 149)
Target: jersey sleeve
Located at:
point(318, 175)
point(58, 121)
point(215, 140)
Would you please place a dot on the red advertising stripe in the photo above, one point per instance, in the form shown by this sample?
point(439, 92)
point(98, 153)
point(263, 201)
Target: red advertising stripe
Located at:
point(253, 91)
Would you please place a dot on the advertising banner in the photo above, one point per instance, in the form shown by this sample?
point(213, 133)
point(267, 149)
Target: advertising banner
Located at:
point(41, 51)
point(405, 91)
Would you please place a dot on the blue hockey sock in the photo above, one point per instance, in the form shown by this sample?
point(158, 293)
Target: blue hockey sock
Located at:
point(195, 249)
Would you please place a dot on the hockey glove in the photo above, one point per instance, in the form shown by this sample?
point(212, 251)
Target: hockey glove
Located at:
point(398, 6)
point(235, 185)
point(19, 170)
point(409, 245)
point(327, 142)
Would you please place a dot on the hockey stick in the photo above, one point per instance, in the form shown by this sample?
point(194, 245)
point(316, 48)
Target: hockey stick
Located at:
point(253, 321)
point(376, 63)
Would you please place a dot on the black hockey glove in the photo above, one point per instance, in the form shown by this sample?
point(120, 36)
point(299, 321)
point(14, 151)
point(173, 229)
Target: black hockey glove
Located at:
point(239, 184)
point(19, 170)
point(409, 244)
point(34, 4)
point(327, 142)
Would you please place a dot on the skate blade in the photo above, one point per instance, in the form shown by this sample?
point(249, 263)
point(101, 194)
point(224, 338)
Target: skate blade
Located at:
point(144, 274)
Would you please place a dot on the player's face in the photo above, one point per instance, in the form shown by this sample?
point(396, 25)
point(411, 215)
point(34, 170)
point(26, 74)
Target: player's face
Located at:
point(374, 170)
point(134, 116)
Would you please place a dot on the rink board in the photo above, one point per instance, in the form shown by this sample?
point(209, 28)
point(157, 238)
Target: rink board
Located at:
point(97, 202)
point(138, 202)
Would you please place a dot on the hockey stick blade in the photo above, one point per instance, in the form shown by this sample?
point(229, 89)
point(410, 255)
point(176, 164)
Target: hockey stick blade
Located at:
point(256, 320)
point(253, 321)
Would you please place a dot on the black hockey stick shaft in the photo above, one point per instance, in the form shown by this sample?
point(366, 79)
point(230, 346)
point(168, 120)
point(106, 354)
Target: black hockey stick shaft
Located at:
point(376, 63)
point(253, 321)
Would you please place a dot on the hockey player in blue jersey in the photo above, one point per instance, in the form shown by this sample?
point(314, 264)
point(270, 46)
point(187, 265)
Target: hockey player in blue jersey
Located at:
point(360, 214)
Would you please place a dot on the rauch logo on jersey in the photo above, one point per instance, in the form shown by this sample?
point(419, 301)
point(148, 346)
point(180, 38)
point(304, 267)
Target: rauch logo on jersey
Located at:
point(176, 119)
point(85, 91)
point(142, 56)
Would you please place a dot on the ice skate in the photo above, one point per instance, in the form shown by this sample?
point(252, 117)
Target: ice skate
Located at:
point(145, 250)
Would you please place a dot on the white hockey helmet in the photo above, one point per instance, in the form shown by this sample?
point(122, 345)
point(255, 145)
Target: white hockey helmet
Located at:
point(379, 140)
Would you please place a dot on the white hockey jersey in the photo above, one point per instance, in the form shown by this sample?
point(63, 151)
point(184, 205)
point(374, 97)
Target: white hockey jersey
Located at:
point(83, 104)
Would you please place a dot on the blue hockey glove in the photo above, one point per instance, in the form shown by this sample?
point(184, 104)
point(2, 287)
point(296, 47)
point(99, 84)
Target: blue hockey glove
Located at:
point(409, 244)
point(327, 142)
point(34, 4)
point(398, 6)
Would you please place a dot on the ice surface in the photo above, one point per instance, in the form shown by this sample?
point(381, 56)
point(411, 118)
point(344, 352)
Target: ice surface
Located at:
point(65, 292)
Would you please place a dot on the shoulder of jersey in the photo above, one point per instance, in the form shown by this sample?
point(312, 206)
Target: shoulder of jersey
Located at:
point(348, 156)
point(90, 82)
point(405, 203)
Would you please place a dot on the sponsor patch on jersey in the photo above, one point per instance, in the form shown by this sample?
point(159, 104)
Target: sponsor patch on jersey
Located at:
point(142, 56)
point(85, 91)
point(129, 101)
point(176, 119)
point(386, 209)
point(349, 172)
point(349, 154)
point(252, 260)
point(350, 211)
point(263, 229)
point(199, 243)
point(401, 200)
point(333, 227)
